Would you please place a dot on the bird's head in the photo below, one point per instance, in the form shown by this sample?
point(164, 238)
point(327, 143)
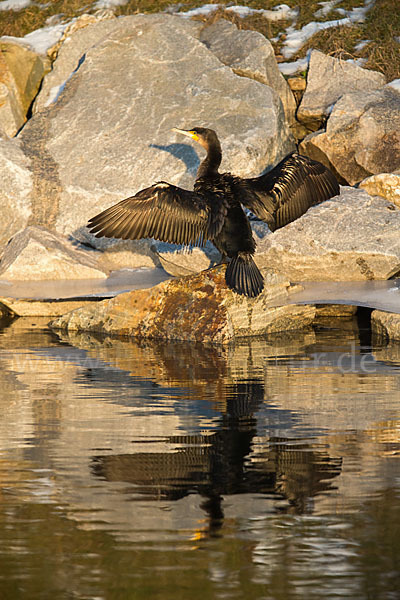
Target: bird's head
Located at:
point(205, 137)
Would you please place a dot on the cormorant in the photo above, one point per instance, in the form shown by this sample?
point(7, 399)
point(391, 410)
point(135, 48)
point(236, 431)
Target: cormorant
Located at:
point(213, 210)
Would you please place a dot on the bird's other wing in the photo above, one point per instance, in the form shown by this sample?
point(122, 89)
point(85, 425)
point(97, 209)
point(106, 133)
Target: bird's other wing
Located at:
point(289, 189)
point(163, 211)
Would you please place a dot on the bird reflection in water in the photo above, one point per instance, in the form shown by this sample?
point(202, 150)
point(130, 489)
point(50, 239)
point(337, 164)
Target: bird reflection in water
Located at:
point(224, 463)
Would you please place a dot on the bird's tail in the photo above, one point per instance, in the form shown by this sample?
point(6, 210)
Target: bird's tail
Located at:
point(242, 276)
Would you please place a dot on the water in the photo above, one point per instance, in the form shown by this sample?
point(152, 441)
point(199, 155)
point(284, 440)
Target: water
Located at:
point(267, 470)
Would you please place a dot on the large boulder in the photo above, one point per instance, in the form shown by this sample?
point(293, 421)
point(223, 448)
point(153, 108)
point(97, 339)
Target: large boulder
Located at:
point(197, 308)
point(249, 54)
point(328, 79)
point(351, 237)
point(362, 135)
point(108, 133)
point(21, 73)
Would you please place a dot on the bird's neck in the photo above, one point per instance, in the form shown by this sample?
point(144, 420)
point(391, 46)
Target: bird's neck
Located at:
point(211, 163)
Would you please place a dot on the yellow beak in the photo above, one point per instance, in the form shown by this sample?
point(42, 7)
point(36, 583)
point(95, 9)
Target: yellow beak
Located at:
point(187, 132)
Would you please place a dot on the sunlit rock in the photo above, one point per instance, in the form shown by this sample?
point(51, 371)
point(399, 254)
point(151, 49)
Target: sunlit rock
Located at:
point(197, 308)
point(249, 54)
point(386, 185)
point(29, 307)
point(328, 79)
point(362, 135)
point(21, 72)
point(351, 237)
point(386, 325)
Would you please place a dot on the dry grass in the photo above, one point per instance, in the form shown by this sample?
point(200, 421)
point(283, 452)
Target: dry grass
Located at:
point(19, 23)
point(382, 25)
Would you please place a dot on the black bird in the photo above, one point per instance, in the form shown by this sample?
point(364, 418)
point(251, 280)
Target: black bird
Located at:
point(214, 209)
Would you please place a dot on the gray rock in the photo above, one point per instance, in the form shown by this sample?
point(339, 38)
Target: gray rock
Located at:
point(328, 80)
point(126, 254)
point(362, 135)
point(15, 190)
point(249, 54)
point(108, 135)
point(37, 253)
point(71, 52)
point(350, 237)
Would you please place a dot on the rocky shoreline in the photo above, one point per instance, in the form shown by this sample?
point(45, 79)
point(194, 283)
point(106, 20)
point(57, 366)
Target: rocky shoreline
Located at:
point(89, 122)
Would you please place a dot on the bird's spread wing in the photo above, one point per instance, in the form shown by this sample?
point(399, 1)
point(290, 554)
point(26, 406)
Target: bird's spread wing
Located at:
point(163, 211)
point(286, 192)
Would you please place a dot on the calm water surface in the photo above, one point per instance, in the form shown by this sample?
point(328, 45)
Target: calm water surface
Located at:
point(267, 470)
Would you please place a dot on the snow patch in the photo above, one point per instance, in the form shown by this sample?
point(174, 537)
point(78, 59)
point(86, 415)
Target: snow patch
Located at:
point(100, 4)
point(359, 62)
point(41, 39)
point(291, 68)
point(297, 38)
point(14, 4)
point(358, 14)
point(361, 45)
point(326, 8)
point(395, 84)
point(278, 13)
point(206, 9)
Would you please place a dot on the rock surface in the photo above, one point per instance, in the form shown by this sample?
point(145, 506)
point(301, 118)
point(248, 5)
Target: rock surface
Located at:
point(21, 73)
point(386, 185)
point(386, 325)
point(71, 52)
point(15, 190)
point(108, 135)
point(179, 260)
point(197, 308)
point(328, 79)
point(249, 54)
point(348, 238)
point(36, 253)
point(362, 135)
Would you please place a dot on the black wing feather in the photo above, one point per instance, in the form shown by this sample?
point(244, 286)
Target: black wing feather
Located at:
point(163, 211)
point(289, 190)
